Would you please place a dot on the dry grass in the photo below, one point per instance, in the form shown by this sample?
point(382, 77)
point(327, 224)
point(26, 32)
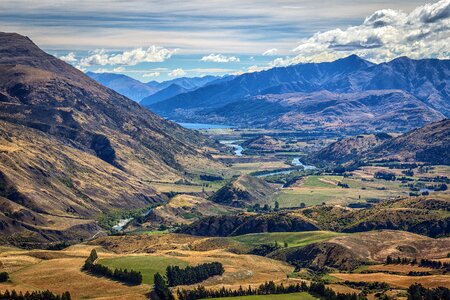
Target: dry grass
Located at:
point(239, 269)
point(246, 168)
point(27, 272)
point(59, 271)
point(377, 245)
point(399, 268)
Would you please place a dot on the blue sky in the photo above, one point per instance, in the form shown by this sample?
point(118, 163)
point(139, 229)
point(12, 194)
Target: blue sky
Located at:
point(160, 40)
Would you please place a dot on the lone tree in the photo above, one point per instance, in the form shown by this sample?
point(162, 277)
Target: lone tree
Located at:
point(4, 276)
point(161, 288)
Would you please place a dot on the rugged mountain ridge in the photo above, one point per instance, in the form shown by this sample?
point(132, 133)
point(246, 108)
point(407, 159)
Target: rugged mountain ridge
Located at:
point(137, 90)
point(124, 85)
point(72, 149)
point(429, 144)
point(346, 93)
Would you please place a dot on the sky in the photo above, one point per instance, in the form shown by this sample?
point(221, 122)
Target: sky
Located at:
point(161, 40)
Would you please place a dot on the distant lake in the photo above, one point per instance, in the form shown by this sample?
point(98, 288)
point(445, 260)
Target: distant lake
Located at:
point(204, 126)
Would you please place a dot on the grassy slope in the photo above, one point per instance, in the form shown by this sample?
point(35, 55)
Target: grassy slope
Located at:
point(147, 265)
point(296, 296)
point(294, 239)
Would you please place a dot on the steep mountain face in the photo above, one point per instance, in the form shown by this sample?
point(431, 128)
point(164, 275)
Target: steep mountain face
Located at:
point(124, 85)
point(72, 149)
point(340, 93)
point(428, 144)
point(350, 148)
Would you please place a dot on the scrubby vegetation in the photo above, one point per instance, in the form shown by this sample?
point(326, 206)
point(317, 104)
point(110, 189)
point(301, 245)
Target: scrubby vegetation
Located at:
point(191, 275)
point(267, 288)
point(427, 263)
point(264, 249)
point(34, 295)
point(418, 292)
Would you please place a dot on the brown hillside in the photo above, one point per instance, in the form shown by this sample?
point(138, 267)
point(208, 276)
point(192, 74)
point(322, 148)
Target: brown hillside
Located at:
point(72, 148)
point(244, 191)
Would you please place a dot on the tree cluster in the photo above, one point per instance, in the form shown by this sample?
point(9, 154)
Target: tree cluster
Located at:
point(160, 287)
point(384, 175)
point(343, 185)
point(4, 276)
point(434, 264)
point(267, 288)
point(266, 208)
point(35, 295)
point(368, 286)
point(264, 249)
point(418, 292)
point(128, 277)
point(191, 275)
point(210, 178)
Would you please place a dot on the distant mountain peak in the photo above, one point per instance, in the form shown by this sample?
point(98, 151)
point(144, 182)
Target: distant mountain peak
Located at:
point(353, 60)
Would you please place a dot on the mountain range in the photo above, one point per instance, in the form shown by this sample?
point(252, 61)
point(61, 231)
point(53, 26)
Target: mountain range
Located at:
point(344, 94)
point(72, 149)
point(139, 91)
point(428, 144)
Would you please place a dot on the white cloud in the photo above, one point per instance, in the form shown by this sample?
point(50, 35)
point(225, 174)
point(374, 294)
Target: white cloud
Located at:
point(219, 58)
point(177, 73)
point(69, 58)
point(127, 58)
point(119, 69)
point(280, 62)
point(255, 68)
point(271, 52)
point(152, 74)
point(385, 35)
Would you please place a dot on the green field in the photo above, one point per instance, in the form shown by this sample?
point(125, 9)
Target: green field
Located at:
point(293, 296)
point(147, 265)
point(319, 189)
point(294, 239)
point(319, 181)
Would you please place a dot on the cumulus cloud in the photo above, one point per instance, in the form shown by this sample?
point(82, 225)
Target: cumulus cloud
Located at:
point(119, 69)
point(219, 58)
point(69, 58)
point(152, 74)
point(177, 73)
point(255, 68)
point(385, 35)
point(127, 58)
point(270, 52)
